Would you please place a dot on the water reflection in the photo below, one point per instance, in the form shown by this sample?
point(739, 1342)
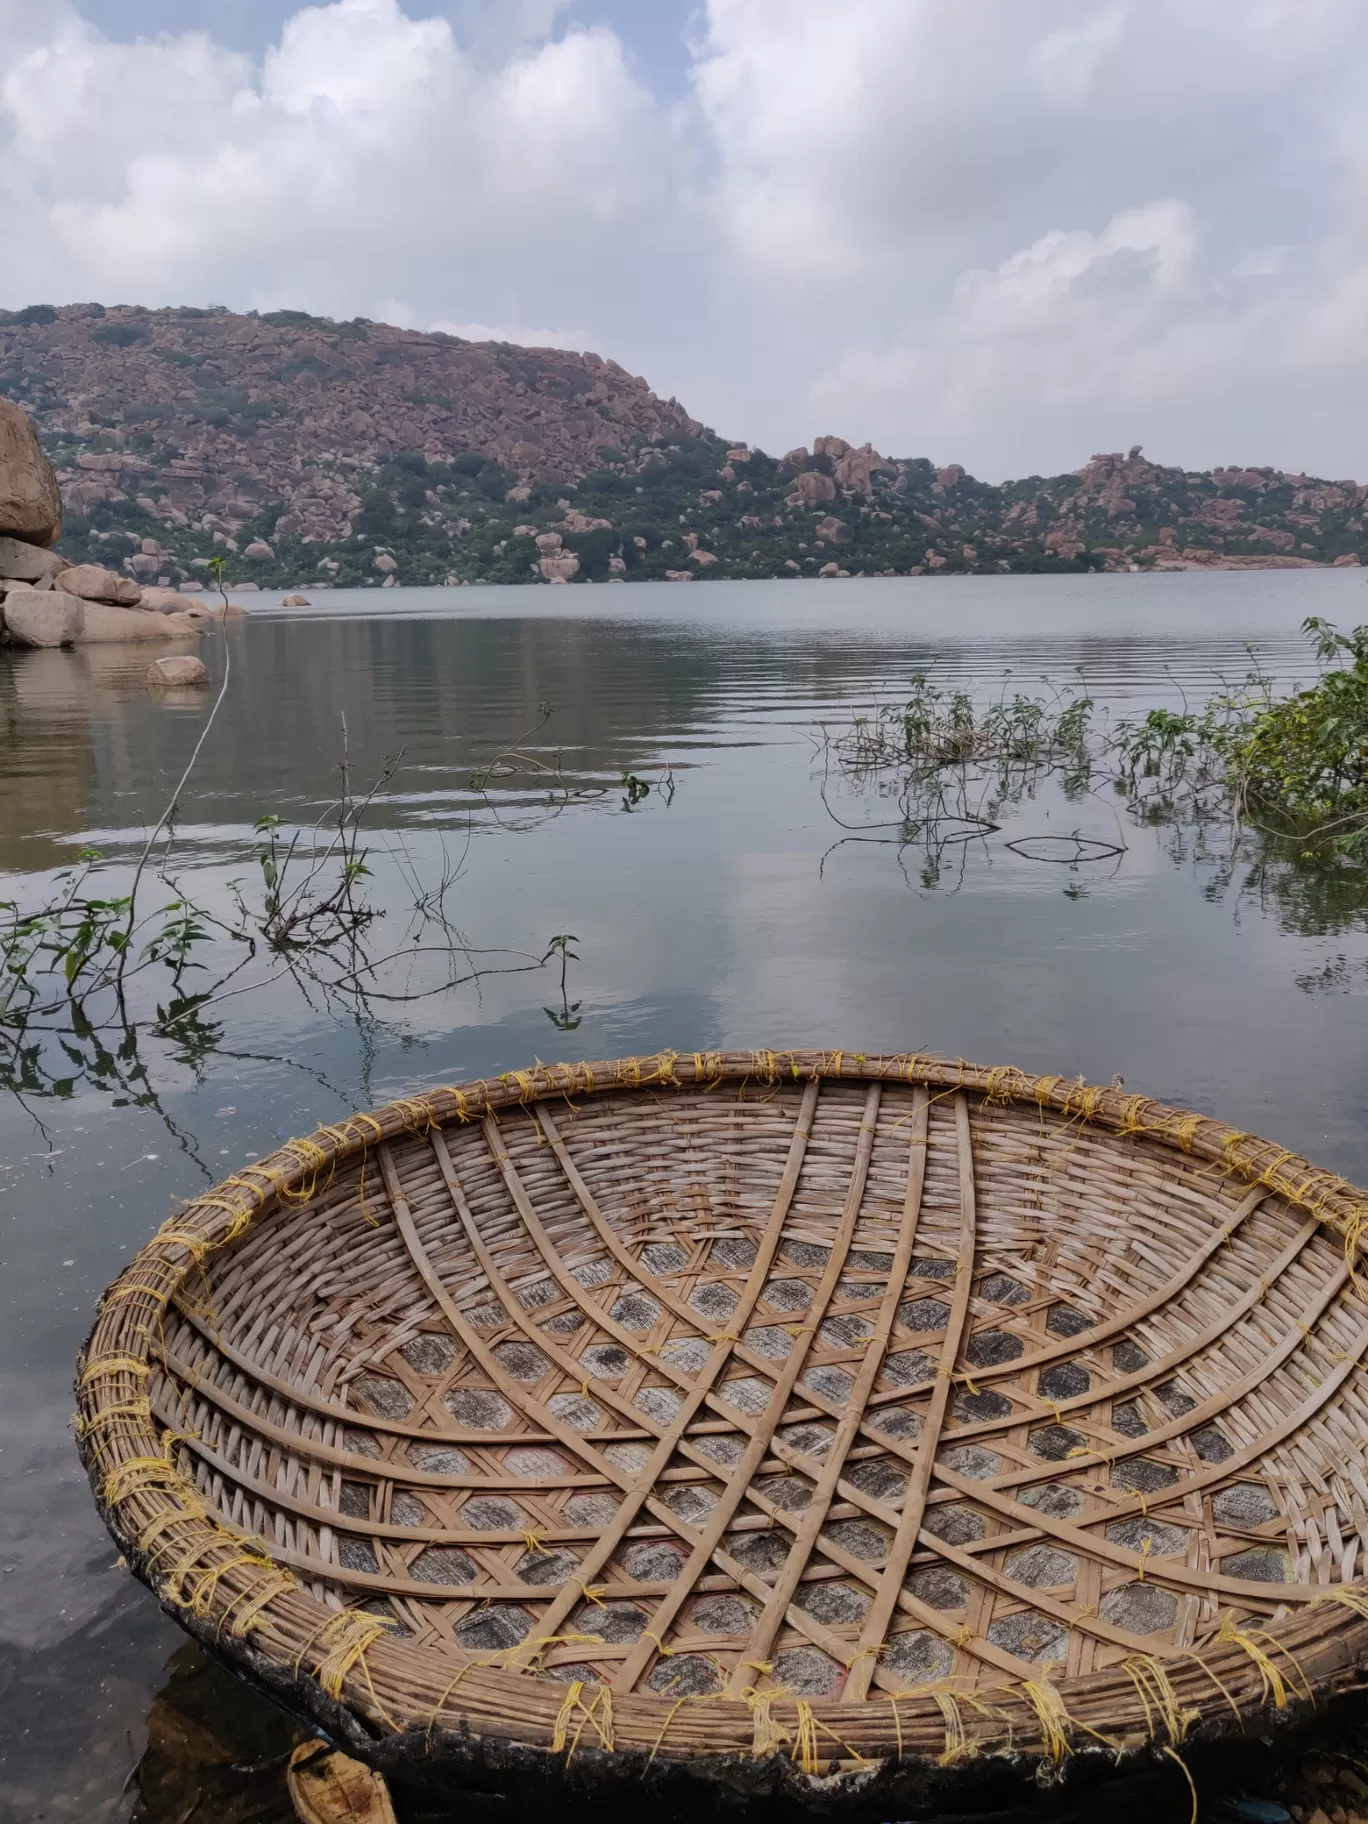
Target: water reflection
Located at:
point(710, 910)
point(214, 1750)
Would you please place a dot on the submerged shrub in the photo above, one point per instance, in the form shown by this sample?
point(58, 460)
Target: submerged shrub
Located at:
point(1304, 760)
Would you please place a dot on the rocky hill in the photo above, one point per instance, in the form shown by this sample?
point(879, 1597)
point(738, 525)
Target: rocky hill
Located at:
point(311, 452)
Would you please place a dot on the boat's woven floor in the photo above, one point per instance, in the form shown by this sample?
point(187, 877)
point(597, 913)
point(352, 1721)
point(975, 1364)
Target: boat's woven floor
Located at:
point(746, 1392)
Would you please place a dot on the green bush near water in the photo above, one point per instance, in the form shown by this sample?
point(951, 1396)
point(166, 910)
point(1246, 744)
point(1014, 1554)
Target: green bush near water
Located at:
point(1305, 760)
point(1295, 768)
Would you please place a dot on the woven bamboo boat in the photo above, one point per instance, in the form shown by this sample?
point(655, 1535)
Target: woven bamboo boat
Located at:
point(804, 1422)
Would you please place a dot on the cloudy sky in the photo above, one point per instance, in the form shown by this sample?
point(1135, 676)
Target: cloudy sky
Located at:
point(1001, 232)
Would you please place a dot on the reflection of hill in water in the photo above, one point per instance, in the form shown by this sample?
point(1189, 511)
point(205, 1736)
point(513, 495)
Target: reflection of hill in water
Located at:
point(48, 774)
point(93, 751)
point(92, 756)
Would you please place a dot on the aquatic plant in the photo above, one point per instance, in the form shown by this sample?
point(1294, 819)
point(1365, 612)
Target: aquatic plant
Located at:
point(90, 970)
point(1285, 778)
point(1301, 764)
point(1295, 768)
point(952, 768)
point(564, 1018)
point(935, 729)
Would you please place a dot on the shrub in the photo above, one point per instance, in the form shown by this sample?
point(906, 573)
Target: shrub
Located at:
point(1305, 759)
point(376, 517)
point(593, 549)
point(295, 319)
point(494, 482)
point(121, 335)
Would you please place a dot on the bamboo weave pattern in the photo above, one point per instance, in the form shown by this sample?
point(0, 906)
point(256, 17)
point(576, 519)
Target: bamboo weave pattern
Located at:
point(803, 1403)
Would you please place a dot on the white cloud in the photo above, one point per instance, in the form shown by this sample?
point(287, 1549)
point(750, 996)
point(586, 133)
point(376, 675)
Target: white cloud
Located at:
point(1002, 231)
point(1072, 319)
point(1262, 262)
point(1011, 231)
point(1067, 63)
point(893, 133)
point(1336, 325)
point(1079, 282)
point(1084, 341)
point(518, 333)
point(367, 154)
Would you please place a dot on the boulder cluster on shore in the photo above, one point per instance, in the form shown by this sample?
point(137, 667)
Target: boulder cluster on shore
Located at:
point(45, 598)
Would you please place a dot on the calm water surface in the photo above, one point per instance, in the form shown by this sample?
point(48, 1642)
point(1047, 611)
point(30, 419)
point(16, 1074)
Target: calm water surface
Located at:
point(738, 903)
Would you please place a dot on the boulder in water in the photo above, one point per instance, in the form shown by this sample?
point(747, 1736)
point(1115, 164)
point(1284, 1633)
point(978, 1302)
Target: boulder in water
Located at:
point(107, 626)
point(43, 617)
point(171, 601)
point(180, 671)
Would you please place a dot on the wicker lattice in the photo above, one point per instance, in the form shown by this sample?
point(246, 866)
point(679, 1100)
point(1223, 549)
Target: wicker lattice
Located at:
point(809, 1404)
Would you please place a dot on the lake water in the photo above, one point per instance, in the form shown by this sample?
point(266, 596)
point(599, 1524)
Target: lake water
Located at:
point(749, 898)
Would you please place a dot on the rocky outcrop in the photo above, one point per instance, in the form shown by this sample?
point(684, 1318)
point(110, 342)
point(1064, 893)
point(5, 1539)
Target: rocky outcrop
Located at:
point(107, 626)
point(30, 505)
point(94, 584)
point(209, 416)
point(354, 454)
point(811, 487)
point(42, 617)
point(171, 601)
point(22, 562)
point(856, 469)
point(46, 600)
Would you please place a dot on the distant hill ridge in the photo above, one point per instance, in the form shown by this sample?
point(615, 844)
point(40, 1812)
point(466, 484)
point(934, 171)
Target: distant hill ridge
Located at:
point(312, 452)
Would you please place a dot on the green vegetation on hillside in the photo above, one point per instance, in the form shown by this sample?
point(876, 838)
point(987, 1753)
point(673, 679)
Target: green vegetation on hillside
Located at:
point(684, 508)
point(309, 451)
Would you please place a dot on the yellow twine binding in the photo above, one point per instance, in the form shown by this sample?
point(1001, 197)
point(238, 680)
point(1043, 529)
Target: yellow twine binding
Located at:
point(343, 1641)
point(598, 1715)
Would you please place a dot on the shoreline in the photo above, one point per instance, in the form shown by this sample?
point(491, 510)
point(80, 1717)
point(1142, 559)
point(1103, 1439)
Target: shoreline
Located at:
point(1186, 566)
point(271, 602)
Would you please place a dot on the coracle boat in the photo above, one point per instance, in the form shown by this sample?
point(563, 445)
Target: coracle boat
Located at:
point(836, 1427)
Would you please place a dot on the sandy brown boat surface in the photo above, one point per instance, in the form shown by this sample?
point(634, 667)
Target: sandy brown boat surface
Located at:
point(759, 1416)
